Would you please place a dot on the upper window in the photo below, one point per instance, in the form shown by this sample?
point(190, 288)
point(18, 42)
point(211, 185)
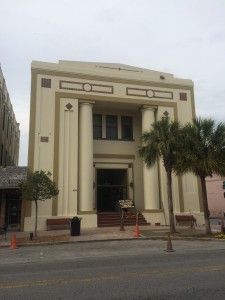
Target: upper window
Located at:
point(3, 120)
point(127, 127)
point(111, 127)
point(45, 82)
point(97, 126)
point(7, 128)
point(183, 96)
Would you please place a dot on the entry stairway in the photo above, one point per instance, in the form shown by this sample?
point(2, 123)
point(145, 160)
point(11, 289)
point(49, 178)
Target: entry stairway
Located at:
point(112, 219)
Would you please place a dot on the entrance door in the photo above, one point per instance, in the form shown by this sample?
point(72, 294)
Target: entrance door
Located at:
point(14, 212)
point(111, 187)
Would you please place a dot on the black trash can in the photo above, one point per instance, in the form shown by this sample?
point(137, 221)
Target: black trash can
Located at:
point(75, 226)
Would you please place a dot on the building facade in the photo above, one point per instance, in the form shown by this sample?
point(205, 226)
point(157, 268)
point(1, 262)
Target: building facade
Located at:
point(10, 198)
point(9, 128)
point(216, 195)
point(86, 123)
point(11, 204)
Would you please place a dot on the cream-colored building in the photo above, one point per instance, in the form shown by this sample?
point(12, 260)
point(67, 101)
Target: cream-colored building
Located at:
point(86, 123)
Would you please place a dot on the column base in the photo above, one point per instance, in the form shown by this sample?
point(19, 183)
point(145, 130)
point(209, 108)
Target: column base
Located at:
point(156, 216)
point(87, 212)
point(153, 211)
point(88, 219)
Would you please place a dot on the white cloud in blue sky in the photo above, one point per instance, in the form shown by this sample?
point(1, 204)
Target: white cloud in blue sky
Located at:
point(185, 38)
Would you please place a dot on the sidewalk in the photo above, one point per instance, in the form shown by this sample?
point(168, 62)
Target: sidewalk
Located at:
point(106, 233)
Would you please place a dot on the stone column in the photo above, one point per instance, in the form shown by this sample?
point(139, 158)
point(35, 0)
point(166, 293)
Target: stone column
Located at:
point(66, 138)
point(150, 176)
point(85, 190)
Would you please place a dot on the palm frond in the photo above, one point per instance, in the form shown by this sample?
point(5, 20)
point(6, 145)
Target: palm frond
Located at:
point(203, 150)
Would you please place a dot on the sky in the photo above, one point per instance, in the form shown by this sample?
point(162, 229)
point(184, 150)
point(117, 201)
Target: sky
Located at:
point(182, 37)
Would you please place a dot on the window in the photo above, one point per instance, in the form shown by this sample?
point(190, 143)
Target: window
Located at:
point(6, 158)
point(127, 128)
point(183, 96)
point(46, 83)
point(8, 128)
point(2, 150)
point(3, 121)
point(97, 126)
point(11, 136)
point(111, 127)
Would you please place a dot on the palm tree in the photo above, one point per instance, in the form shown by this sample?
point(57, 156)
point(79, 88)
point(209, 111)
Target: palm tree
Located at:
point(161, 142)
point(203, 153)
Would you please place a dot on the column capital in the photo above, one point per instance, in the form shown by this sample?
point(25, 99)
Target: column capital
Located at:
point(87, 102)
point(149, 107)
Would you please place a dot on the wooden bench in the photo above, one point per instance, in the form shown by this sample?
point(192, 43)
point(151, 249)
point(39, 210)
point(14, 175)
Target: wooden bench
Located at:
point(55, 222)
point(3, 230)
point(186, 218)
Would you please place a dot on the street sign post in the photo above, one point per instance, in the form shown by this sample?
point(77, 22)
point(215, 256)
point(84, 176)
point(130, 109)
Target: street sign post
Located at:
point(124, 204)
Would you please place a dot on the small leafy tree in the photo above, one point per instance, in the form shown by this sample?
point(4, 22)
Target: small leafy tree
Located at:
point(203, 153)
point(161, 141)
point(39, 186)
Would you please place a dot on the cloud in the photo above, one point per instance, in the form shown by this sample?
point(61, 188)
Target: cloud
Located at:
point(185, 38)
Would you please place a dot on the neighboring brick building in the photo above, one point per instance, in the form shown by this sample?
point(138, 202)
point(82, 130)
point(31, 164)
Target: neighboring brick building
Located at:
point(10, 196)
point(215, 193)
point(11, 204)
point(9, 128)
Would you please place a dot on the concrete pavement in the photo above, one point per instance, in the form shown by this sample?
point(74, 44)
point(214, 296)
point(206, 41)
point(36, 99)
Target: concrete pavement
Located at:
point(107, 233)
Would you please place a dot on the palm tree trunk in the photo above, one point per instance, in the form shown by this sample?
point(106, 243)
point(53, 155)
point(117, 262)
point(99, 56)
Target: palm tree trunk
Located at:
point(36, 217)
point(205, 206)
point(170, 202)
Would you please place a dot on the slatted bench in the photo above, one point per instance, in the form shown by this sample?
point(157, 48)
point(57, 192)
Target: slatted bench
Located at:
point(186, 218)
point(59, 222)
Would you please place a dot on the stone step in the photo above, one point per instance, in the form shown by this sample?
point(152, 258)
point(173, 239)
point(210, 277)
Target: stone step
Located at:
point(112, 219)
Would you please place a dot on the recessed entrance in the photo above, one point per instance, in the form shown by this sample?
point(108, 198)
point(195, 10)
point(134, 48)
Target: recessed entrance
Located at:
point(111, 187)
point(13, 210)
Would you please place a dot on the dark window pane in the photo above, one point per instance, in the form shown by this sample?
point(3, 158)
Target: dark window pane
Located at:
point(111, 127)
point(45, 82)
point(97, 126)
point(3, 121)
point(127, 128)
point(2, 150)
point(183, 96)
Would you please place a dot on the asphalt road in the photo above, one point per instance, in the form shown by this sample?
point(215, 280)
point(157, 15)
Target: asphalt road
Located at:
point(138, 269)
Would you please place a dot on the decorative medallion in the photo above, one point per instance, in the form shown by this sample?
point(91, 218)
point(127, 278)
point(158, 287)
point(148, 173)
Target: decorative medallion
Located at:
point(166, 114)
point(87, 87)
point(69, 106)
point(150, 93)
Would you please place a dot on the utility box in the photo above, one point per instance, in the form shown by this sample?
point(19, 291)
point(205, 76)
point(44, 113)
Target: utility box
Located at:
point(75, 226)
